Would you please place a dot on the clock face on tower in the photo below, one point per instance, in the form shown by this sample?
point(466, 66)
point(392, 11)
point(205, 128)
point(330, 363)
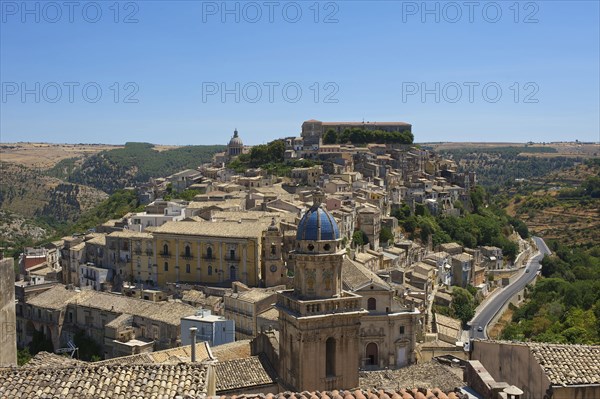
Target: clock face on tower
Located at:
point(273, 268)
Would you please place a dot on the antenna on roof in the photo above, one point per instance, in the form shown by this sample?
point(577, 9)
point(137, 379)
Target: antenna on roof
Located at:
point(70, 348)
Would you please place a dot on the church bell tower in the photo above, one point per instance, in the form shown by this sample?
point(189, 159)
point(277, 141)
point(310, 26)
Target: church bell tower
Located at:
point(319, 322)
point(274, 272)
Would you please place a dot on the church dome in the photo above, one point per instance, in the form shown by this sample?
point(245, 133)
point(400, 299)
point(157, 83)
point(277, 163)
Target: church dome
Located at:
point(235, 141)
point(316, 225)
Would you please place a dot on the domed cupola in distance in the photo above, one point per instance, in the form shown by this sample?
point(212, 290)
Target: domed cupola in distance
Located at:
point(235, 146)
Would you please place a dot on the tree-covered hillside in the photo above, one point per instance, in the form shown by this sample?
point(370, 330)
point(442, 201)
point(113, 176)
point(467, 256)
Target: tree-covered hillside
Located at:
point(269, 157)
point(135, 163)
point(487, 224)
point(498, 168)
point(564, 306)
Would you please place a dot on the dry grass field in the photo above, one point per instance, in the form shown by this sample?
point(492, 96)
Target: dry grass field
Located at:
point(565, 149)
point(46, 155)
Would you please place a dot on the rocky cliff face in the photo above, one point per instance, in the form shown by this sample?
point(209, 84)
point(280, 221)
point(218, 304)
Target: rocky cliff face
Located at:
point(31, 194)
point(17, 230)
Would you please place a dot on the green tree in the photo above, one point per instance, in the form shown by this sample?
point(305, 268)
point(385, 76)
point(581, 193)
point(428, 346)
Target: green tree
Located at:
point(23, 356)
point(463, 304)
point(385, 235)
point(477, 198)
point(359, 238)
point(330, 137)
point(421, 210)
point(401, 212)
point(410, 224)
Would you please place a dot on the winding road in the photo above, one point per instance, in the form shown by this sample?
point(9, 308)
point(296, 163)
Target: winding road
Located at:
point(490, 309)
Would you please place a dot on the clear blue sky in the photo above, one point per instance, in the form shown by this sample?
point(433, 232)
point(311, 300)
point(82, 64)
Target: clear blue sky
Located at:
point(373, 57)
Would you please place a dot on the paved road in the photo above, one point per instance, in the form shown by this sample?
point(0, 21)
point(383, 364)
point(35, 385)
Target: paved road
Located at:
point(497, 302)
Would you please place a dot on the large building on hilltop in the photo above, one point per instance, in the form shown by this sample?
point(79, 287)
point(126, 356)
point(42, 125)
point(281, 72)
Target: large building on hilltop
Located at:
point(313, 130)
point(319, 321)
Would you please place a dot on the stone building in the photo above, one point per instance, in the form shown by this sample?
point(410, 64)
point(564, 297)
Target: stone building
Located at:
point(243, 306)
point(273, 265)
point(462, 265)
point(542, 370)
point(318, 319)
point(71, 256)
point(388, 330)
point(8, 326)
point(307, 176)
point(368, 220)
point(209, 252)
point(119, 324)
point(313, 130)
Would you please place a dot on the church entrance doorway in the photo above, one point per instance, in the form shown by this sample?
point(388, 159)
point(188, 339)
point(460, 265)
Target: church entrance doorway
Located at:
point(372, 354)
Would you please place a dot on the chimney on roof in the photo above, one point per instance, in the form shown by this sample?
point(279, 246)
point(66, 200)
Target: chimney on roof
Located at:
point(193, 339)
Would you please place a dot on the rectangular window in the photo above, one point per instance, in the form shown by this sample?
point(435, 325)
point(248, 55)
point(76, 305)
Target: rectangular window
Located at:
point(401, 329)
point(166, 266)
point(187, 268)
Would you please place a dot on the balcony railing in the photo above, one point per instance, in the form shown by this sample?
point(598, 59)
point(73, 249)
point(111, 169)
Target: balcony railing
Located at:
point(164, 254)
point(149, 253)
point(212, 257)
point(187, 256)
point(316, 307)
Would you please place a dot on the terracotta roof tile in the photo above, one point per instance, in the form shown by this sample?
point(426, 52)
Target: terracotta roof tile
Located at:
point(233, 350)
point(46, 359)
point(59, 297)
point(247, 372)
point(568, 364)
point(416, 393)
point(129, 381)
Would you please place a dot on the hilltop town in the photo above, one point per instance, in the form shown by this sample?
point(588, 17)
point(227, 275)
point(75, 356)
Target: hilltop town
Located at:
point(236, 279)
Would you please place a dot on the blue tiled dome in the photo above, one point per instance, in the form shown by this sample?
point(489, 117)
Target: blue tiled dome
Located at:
point(317, 224)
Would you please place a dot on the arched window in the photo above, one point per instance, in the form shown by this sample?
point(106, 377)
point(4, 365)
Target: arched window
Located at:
point(372, 354)
point(209, 253)
point(165, 249)
point(273, 249)
point(188, 251)
point(371, 304)
point(210, 270)
point(330, 357)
